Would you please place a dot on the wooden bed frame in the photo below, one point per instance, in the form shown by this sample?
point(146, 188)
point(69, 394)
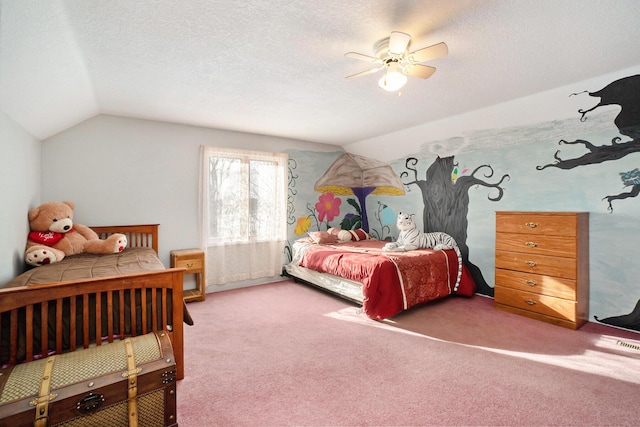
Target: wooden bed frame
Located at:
point(164, 286)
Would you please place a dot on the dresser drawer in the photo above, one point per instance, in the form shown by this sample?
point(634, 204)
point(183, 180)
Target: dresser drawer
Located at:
point(190, 264)
point(536, 283)
point(536, 303)
point(537, 264)
point(561, 246)
point(536, 223)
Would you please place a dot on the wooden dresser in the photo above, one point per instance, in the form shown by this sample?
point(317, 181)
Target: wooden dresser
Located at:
point(542, 266)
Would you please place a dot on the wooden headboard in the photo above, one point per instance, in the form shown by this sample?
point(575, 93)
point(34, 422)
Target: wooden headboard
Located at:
point(145, 235)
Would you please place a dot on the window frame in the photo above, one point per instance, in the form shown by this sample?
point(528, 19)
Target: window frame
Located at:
point(279, 198)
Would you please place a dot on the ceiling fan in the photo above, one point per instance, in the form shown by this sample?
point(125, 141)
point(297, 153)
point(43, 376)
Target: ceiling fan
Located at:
point(392, 55)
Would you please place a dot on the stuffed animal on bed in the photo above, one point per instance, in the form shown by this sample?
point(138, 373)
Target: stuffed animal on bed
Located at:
point(411, 238)
point(54, 235)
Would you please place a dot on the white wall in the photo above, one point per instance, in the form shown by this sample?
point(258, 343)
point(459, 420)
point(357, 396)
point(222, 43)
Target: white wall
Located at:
point(19, 192)
point(131, 171)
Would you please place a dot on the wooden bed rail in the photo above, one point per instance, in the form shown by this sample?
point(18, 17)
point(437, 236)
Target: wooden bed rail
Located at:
point(92, 314)
point(145, 235)
point(89, 311)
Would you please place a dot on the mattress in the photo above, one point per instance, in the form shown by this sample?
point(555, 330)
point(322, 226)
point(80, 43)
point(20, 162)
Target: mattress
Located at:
point(77, 268)
point(385, 283)
point(86, 266)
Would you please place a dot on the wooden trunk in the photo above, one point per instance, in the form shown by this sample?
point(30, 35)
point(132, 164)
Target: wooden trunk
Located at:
point(128, 382)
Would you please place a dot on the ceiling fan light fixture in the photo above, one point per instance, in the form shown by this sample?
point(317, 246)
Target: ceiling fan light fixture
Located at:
point(393, 79)
point(392, 56)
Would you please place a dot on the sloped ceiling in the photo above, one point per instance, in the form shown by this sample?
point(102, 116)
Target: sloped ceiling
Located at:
point(277, 67)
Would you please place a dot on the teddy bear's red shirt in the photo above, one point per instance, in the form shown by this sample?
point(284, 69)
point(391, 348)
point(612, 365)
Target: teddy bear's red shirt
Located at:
point(47, 237)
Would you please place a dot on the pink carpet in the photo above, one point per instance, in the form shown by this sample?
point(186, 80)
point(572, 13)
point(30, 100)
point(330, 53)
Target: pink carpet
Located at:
point(287, 354)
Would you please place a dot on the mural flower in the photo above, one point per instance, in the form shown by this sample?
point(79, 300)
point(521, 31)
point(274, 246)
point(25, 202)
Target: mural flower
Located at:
point(302, 225)
point(387, 216)
point(328, 206)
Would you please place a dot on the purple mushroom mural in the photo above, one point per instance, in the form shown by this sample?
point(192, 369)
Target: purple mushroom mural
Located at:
point(353, 175)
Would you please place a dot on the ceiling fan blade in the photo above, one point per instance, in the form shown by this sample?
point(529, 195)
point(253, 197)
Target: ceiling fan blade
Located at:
point(419, 70)
point(428, 53)
point(398, 42)
point(362, 73)
point(361, 57)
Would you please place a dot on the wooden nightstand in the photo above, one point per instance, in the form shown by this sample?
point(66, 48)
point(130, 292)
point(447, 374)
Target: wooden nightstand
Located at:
point(193, 261)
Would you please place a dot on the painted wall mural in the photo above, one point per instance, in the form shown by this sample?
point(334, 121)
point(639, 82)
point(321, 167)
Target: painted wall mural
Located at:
point(625, 93)
point(512, 176)
point(445, 197)
point(627, 321)
point(292, 178)
point(359, 176)
point(327, 209)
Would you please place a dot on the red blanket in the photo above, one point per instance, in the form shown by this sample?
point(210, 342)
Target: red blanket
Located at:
point(391, 281)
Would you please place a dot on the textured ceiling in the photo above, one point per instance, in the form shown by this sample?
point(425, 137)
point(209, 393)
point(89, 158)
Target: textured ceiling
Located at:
point(278, 67)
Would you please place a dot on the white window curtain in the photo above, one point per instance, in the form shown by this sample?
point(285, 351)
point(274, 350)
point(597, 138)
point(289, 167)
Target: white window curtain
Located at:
point(243, 203)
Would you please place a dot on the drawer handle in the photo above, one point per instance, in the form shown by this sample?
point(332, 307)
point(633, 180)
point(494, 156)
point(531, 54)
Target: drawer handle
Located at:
point(189, 265)
point(531, 283)
point(531, 244)
point(530, 301)
point(530, 263)
point(531, 224)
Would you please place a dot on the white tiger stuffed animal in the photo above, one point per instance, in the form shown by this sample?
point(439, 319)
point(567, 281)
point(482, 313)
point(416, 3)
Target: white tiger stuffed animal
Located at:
point(411, 238)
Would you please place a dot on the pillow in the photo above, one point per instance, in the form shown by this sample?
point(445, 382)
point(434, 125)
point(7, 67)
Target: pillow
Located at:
point(334, 231)
point(323, 237)
point(354, 235)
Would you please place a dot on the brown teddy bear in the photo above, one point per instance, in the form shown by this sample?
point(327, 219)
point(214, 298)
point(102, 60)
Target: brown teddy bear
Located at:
point(54, 235)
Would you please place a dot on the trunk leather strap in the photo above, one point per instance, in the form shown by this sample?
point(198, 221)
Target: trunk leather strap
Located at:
point(132, 383)
point(42, 402)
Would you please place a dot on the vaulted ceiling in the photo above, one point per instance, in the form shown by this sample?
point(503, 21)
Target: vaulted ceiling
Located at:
point(278, 68)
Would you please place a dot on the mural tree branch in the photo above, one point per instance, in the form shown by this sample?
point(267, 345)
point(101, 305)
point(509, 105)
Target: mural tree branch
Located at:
point(596, 154)
point(625, 93)
point(446, 204)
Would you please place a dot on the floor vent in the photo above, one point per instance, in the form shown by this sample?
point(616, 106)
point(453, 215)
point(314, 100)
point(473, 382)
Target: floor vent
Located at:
point(628, 345)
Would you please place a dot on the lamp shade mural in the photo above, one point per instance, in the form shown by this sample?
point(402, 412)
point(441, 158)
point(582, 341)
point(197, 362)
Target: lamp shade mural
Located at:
point(353, 175)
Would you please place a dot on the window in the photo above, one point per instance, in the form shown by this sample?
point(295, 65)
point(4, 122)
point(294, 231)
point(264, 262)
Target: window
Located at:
point(243, 213)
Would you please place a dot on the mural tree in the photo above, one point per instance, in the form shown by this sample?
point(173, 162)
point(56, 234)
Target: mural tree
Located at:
point(446, 204)
point(624, 92)
point(628, 321)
